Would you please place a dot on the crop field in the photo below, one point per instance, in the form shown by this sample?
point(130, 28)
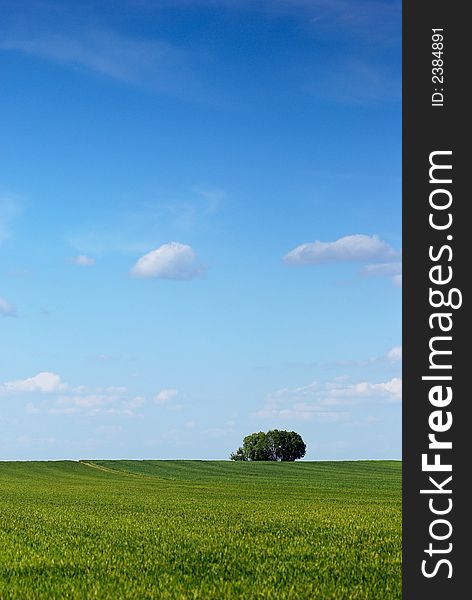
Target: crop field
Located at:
point(200, 530)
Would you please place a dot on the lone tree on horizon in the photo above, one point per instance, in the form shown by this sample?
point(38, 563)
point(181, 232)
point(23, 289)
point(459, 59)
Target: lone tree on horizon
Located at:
point(275, 445)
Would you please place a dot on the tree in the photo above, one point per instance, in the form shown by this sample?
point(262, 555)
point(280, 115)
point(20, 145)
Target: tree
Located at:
point(286, 445)
point(256, 446)
point(238, 455)
point(275, 445)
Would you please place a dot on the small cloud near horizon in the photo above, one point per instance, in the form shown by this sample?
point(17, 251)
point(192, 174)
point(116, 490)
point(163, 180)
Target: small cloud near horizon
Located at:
point(329, 401)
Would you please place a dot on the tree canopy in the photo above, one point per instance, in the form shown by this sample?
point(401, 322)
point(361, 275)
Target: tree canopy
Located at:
point(275, 445)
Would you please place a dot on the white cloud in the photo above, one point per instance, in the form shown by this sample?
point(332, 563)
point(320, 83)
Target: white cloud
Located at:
point(137, 402)
point(111, 400)
point(57, 398)
point(170, 261)
point(389, 269)
point(82, 260)
point(327, 402)
point(382, 269)
point(397, 280)
point(86, 400)
point(7, 309)
point(392, 390)
point(165, 396)
point(299, 411)
point(395, 354)
point(44, 383)
point(351, 248)
point(116, 389)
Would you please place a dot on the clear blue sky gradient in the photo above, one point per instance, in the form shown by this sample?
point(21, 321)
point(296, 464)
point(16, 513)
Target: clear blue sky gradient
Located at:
point(240, 129)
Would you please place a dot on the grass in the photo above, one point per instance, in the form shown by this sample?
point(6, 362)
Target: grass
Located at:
point(200, 530)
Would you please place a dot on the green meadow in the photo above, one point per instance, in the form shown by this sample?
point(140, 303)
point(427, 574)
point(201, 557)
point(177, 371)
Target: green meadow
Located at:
point(200, 530)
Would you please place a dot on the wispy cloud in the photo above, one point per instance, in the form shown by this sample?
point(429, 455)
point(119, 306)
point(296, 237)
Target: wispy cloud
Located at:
point(390, 390)
point(170, 261)
point(351, 248)
point(389, 269)
point(380, 18)
point(165, 396)
point(48, 394)
point(395, 354)
point(382, 269)
point(392, 356)
point(7, 309)
point(154, 64)
point(358, 82)
point(105, 52)
point(375, 16)
point(82, 260)
point(328, 401)
point(110, 401)
point(213, 198)
point(397, 280)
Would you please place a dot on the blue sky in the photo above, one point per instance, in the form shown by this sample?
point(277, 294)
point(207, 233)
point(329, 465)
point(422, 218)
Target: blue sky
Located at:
point(200, 227)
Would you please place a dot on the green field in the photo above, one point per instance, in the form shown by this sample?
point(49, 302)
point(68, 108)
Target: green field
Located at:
point(200, 529)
